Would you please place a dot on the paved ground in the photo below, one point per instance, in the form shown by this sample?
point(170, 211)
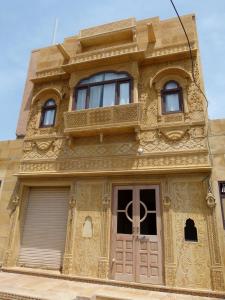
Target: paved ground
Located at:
point(58, 289)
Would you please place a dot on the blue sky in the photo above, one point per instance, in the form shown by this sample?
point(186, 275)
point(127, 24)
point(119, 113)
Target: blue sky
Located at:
point(26, 25)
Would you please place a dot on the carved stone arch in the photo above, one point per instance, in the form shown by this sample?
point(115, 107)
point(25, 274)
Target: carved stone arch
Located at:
point(170, 73)
point(47, 93)
point(177, 74)
point(37, 104)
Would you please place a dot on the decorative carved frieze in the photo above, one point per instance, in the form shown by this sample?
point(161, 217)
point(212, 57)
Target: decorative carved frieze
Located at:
point(172, 50)
point(118, 163)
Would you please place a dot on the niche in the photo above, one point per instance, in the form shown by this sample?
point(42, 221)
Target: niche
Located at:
point(190, 231)
point(87, 228)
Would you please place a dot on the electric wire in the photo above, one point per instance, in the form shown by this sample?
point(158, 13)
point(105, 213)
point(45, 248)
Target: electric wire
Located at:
point(190, 51)
point(197, 85)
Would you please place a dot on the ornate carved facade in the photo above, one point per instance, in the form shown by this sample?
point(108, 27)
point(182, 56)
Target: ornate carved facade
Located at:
point(140, 145)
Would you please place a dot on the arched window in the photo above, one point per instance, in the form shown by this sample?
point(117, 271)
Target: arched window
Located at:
point(103, 89)
point(172, 98)
point(48, 114)
point(190, 231)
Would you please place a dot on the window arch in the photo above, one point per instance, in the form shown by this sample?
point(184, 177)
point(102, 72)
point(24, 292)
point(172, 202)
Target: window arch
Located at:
point(48, 113)
point(103, 89)
point(172, 98)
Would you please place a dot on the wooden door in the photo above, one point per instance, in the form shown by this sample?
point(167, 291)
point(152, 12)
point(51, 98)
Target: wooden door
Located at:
point(136, 235)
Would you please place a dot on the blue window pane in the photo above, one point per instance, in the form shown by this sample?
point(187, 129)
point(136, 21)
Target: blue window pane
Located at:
point(172, 103)
point(81, 99)
point(49, 117)
point(103, 77)
point(124, 93)
point(111, 76)
point(171, 85)
point(109, 93)
point(95, 96)
point(50, 102)
point(95, 78)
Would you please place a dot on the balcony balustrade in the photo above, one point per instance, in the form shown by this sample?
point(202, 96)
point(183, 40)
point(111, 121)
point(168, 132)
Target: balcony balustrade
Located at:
point(105, 120)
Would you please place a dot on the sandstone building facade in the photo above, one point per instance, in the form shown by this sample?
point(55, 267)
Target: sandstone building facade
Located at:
point(113, 180)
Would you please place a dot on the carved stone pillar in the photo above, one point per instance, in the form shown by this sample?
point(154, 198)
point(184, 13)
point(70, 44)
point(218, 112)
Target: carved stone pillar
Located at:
point(105, 225)
point(9, 259)
point(217, 275)
point(68, 254)
point(136, 75)
point(170, 265)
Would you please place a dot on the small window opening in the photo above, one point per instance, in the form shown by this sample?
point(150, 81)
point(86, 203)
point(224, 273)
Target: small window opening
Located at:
point(190, 231)
point(172, 98)
point(48, 113)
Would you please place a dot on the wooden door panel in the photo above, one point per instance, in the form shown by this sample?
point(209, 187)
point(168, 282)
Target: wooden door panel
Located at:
point(136, 239)
point(124, 262)
point(123, 265)
point(149, 261)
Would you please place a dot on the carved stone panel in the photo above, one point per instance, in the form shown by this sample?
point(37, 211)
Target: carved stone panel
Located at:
point(192, 258)
point(86, 246)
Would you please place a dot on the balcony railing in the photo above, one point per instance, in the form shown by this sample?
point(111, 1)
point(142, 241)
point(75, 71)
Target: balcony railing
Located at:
point(109, 120)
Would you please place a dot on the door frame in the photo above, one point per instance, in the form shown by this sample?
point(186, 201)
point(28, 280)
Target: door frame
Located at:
point(159, 222)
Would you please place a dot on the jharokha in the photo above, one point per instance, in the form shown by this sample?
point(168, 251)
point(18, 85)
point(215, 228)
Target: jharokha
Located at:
point(111, 176)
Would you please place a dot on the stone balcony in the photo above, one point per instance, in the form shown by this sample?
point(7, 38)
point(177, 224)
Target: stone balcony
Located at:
point(104, 120)
point(108, 55)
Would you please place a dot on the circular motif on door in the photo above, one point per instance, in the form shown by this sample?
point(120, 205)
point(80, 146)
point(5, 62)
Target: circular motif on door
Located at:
point(128, 211)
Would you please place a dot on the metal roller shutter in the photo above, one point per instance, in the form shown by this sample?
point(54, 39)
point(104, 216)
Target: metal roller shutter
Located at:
point(44, 231)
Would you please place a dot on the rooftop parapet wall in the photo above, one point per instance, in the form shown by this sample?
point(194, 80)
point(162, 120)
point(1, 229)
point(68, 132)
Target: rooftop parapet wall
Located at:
point(168, 33)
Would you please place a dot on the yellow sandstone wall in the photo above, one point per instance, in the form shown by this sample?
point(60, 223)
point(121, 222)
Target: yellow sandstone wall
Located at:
point(171, 144)
point(217, 142)
point(10, 155)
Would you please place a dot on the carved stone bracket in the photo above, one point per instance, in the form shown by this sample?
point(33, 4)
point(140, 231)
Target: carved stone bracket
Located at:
point(211, 200)
point(106, 199)
point(72, 202)
point(43, 145)
point(15, 202)
point(173, 134)
point(167, 201)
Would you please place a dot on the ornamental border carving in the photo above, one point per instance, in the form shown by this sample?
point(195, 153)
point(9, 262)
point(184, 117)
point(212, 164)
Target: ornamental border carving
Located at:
point(165, 72)
point(46, 92)
point(118, 163)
